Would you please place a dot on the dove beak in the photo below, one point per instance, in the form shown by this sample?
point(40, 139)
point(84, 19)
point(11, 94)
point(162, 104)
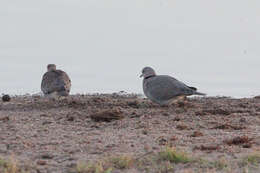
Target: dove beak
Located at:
point(142, 75)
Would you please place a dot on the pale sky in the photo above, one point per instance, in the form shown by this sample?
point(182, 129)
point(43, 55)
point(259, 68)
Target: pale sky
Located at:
point(104, 44)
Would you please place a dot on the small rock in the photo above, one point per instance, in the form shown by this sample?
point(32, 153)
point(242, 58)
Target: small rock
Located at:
point(197, 134)
point(134, 115)
point(71, 165)
point(47, 156)
point(6, 98)
point(242, 120)
point(46, 122)
point(41, 162)
point(182, 127)
point(217, 111)
point(257, 97)
point(133, 104)
point(44, 115)
point(173, 138)
point(162, 141)
point(110, 145)
point(247, 145)
point(244, 140)
point(177, 119)
point(208, 148)
point(145, 132)
point(166, 114)
point(107, 115)
point(70, 118)
point(228, 126)
point(4, 119)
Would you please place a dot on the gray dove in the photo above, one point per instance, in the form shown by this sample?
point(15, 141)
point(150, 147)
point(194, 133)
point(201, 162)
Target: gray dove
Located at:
point(163, 89)
point(55, 81)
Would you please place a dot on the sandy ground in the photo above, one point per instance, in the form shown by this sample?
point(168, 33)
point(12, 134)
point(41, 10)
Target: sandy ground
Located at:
point(52, 135)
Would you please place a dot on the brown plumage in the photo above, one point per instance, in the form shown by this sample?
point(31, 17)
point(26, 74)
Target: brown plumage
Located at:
point(55, 81)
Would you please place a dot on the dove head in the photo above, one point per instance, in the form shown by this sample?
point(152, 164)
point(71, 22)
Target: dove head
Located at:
point(148, 72)
point(51, 67)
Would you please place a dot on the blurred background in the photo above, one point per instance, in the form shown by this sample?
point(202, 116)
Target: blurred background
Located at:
point(104, 44)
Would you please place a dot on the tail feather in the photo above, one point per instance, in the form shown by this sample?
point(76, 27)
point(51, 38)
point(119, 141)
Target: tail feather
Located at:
point(193, 88)
point(198, 93)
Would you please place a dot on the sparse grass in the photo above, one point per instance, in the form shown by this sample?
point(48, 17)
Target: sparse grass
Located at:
point(174, 156)
point(220, 164)
point(105, 166)
point(97, 167)
point(145, 164)
point(166, 161)
point(122, 162)
point(10, 166)
point(2, 162)
point(252, 159)
point(166, 167)
point(216, 165)
point(245, 170)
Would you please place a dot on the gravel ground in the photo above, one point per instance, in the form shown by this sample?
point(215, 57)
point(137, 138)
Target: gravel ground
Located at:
point(53, 135)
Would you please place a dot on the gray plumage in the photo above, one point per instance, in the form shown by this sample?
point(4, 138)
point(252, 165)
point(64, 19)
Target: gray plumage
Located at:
point(55, 81)
point(163, 89)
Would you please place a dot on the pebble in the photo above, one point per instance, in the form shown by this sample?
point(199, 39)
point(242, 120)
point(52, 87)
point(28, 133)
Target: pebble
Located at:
point(4, 119)
point(6, 98)
point(41, 162)
point(47, 156)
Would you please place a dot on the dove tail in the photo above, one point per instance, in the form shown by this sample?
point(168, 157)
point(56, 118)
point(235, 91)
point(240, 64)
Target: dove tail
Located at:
point(193, 88)
point(198, 93)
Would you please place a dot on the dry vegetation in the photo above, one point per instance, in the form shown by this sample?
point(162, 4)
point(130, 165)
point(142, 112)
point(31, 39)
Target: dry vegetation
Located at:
point(125, 133)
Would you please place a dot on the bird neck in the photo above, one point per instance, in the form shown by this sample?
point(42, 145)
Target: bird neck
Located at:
point(149, 76)
point(51, 70)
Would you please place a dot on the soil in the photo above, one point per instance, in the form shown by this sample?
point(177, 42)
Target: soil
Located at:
point(54, 134)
